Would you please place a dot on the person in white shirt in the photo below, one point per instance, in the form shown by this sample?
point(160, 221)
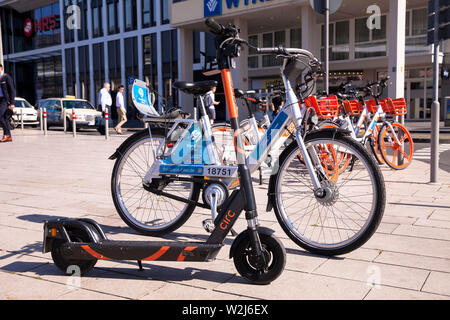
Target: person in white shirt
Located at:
point(211, 104)
point(121, 110)
point(105, 103)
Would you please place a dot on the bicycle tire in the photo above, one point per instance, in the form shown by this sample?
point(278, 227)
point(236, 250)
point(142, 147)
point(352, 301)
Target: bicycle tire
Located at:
point(382, 145)
point(287, 223)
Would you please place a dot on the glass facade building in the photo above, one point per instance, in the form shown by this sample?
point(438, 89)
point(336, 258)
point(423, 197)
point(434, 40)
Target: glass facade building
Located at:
point(71, 47)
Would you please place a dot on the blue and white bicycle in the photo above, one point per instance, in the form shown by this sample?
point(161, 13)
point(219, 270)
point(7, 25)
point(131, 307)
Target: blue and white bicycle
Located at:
point(325, 208)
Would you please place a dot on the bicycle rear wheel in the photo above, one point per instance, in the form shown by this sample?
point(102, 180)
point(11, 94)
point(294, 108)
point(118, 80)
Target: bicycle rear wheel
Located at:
point(349, 212)
point(397, 155)
point(142, 210)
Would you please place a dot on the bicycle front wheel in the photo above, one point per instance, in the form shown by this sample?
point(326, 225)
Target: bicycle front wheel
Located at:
point(350, 210)
point(397, 154)
point(144, 211)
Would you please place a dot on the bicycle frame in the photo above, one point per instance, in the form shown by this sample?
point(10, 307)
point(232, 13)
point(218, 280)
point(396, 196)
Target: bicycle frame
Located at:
point(365, 114)
point(289, 113)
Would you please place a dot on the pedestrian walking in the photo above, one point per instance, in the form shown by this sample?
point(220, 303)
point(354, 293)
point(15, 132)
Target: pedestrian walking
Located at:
point(211, 104)
point(7, 97)
point(121, 110)
point(105, 103)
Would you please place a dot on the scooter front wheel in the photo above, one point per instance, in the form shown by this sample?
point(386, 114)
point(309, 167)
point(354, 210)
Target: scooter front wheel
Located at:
point(274, 254)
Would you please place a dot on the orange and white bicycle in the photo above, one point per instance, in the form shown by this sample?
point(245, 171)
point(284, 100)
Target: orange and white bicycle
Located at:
point(372, 122)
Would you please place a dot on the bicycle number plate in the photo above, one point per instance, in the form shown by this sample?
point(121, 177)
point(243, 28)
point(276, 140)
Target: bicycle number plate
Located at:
point(213, 171)
point(195, 170)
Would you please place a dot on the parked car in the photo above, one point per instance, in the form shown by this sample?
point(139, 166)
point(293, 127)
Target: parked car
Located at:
point(86, 115)
point(23, 107)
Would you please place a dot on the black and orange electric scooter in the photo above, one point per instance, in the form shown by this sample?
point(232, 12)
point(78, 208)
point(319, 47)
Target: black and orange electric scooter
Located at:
point(258, 255)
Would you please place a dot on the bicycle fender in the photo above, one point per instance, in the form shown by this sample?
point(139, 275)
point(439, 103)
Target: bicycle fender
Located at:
point(244, 234)
point(131, 139)
point(57, 230)
point(330, 130)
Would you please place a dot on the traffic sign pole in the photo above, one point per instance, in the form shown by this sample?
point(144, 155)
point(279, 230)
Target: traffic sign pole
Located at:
point(434, 163)
point(326, 7)
point(327, 47)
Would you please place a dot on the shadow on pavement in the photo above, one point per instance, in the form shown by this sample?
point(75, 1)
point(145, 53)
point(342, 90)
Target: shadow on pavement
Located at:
point(150, 272)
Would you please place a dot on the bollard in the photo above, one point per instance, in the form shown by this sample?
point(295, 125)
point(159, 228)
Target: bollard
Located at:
point(65, 120)
point(45, 121)
point(106, 124)
point(21, 119)
point(41, 123)
point(74, 123)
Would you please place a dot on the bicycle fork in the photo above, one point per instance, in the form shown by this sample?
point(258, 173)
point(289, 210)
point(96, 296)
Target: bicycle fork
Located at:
point(298, 119)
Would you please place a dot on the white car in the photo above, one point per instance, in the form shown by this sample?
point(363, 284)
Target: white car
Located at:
point(87, 116)
point(25, 109)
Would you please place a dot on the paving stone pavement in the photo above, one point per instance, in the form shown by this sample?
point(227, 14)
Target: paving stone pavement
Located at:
point(59, 176)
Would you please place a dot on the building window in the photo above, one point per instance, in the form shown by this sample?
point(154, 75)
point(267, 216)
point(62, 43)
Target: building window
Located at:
point(165, 12)
point(296, 38)
point(253, 58)
point(169, 57)
point(273, 39)
point(148, 13)
point(114, 65)
point(339, 34)
point(97, 21)
point(416, 31)
point(131, 67)
point(99, 69)
point(112, 15)
point(210, 45)
point(130, 15)
point(83, 67)
point(69, 35)
point(83, 33)
point(150, 61)
point(370, 43)
point(49, 76)
point(70, 72)
point(196, 46)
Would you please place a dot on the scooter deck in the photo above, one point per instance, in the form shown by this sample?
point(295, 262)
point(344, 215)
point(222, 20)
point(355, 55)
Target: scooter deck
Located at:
point(142, 250)
point(100, 248)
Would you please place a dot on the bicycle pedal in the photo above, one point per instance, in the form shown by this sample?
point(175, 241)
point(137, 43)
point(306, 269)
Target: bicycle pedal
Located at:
point(208, 225)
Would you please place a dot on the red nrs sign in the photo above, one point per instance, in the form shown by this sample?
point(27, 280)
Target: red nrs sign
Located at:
point(28, 28)
point(43, 24)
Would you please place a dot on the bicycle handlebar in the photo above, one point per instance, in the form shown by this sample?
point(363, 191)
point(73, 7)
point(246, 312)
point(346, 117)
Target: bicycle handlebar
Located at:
point(221, 30)
point(283, 50)
point(214, 26)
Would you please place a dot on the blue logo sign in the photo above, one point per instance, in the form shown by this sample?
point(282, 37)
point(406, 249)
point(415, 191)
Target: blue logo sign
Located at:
point(141, 95)
point(212, 7)
point(131, 80)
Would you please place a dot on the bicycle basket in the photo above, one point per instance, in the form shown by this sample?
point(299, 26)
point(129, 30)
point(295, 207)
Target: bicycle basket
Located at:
point(372, 106)
point(396, 107)
point(325, 108)
point(353, 107)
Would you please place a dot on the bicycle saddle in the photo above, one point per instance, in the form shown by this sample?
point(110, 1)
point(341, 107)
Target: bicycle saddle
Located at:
point(195, 88)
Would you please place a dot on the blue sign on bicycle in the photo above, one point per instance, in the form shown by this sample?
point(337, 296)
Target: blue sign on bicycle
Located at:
point(212, 8)
point(141, 98)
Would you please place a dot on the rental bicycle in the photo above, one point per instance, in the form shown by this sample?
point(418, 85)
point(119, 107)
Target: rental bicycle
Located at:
point(390, 141)
point(157, 179)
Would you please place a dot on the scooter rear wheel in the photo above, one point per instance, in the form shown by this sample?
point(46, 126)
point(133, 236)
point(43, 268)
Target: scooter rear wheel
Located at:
point(63, 263)
point(274, 253)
